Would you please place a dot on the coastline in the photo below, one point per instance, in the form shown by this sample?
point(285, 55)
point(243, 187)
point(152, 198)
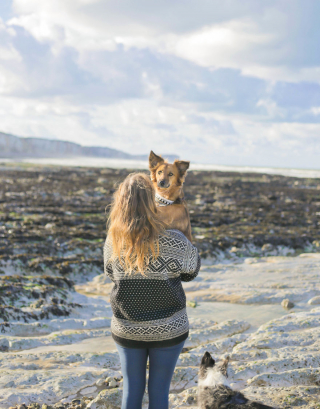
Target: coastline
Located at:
point(140, 164)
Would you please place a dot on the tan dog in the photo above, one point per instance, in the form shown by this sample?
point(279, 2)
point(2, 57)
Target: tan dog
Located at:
point(168, 181)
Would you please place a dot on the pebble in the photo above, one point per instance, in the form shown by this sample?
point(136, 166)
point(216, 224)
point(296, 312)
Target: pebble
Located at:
point(49, 226)
point(267, 247)
point(287, 304)
point(113, 383)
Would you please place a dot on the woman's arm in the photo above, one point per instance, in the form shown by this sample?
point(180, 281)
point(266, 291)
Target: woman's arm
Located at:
point(192, 265)
point(107, 253)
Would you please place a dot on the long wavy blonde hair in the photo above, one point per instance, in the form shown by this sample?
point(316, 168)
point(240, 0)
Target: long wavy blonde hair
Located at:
point(134, 224)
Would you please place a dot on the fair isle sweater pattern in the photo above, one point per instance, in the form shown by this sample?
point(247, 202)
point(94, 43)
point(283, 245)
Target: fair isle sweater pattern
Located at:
point(152, 307)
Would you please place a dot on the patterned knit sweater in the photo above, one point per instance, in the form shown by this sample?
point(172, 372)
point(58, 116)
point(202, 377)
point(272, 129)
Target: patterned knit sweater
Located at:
point(150, 310)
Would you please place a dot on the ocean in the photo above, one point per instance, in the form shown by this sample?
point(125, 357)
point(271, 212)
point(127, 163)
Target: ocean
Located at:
point(138, 164)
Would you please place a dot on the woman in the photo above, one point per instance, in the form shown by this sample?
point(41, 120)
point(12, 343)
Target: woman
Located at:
point(146, 263)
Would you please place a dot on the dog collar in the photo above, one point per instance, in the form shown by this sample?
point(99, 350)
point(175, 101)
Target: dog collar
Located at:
point(162, 201)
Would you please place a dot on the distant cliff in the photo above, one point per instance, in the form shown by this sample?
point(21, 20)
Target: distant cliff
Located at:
point(12, 146)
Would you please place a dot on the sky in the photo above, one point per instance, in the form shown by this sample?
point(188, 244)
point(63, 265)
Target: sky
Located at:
point(224, 82)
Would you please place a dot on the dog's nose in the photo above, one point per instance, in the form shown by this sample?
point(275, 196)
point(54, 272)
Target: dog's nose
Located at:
point(162, 183)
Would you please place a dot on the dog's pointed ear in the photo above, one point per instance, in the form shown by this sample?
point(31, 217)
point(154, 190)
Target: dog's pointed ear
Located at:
point(154, 160)
point(182, 166)
point(224, 367)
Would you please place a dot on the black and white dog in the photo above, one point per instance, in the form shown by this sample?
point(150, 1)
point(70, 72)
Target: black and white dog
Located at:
point(215, 391)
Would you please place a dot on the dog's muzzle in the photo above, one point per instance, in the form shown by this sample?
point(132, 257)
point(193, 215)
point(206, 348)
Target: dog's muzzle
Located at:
point(163, 184)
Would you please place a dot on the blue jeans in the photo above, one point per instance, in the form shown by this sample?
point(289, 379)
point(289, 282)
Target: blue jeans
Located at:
point(162, 362)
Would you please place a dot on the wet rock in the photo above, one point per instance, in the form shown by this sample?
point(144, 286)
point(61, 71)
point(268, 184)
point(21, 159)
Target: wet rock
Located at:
point(4, 345)
point(86, 400)
point(314, 300)
point(287, 378)
point(38, 303)
point(101, 284)
point(268, 280)
point(101, 382)
point(286, 397)
point(112, 383)
point(183, 399)
point(234, 250)
point(198, 323)
point(89, 390)
point(267, 247)
point(65, 374)
point(272, 197)
point(184, 378)
point(279, 360)
point(287, 304)
point(107, 399)
point(49, 226)
point(222, 330)
point(9, 313)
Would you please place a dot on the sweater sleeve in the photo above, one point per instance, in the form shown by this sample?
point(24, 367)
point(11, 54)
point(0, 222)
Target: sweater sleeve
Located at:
point(192, 263)
point(107, 253)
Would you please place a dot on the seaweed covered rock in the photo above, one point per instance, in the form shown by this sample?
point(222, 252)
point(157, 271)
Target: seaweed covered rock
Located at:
point(31, 298)
point(52, 219)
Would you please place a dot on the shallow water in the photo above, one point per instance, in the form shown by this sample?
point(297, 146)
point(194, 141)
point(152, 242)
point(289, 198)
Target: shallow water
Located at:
point(267, 280)
point(94, 345)
point(256, 315)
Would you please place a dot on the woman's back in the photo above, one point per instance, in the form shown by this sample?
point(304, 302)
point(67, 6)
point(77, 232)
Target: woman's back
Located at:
point(149, 308)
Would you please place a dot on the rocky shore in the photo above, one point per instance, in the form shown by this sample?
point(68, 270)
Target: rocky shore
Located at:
point(63, 211)
point(259, 239)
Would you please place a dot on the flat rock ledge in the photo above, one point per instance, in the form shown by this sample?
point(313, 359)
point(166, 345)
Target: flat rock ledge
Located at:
point(278, 364)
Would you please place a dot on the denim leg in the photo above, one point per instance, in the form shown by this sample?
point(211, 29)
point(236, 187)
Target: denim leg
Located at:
point(162, 362)
point(133, 368)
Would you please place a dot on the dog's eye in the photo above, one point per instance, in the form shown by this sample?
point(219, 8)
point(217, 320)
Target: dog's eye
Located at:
point(160, 171)
point(170, 174)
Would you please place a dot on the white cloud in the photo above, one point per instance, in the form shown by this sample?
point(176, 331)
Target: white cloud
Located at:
point(315, 110)
point(206, 80)
point(272, 108)
point(224, 45)
point(259, 40)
